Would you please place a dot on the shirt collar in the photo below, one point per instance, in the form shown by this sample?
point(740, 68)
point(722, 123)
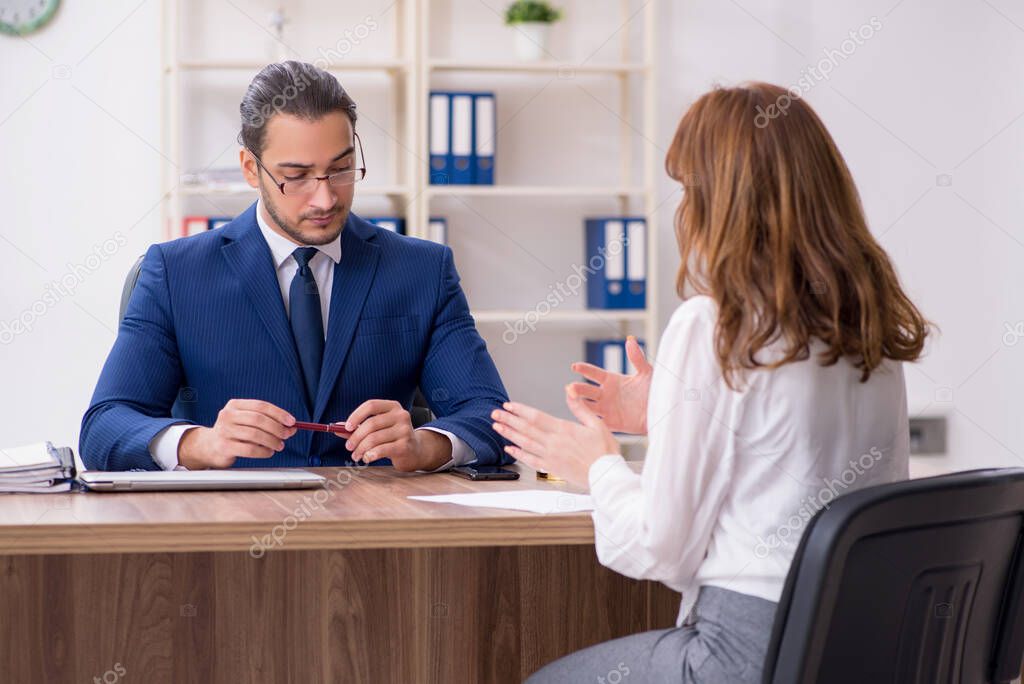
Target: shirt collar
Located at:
point(281, 247)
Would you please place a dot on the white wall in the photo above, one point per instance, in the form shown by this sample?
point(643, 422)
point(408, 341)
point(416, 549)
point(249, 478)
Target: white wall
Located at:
point(79, 140)
point(934, 92)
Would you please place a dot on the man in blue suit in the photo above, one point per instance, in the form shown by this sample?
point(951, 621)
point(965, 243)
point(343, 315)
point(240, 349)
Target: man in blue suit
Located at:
point(296, 310)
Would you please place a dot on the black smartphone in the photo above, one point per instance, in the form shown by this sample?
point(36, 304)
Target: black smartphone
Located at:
point(485, 473)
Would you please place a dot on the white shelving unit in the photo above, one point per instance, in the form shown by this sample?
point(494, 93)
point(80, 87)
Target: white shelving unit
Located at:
point(412, 72)
point(395, 65)
point(626, 192)
point(531, 191)
point(563, 316)
point(242, 189)
point(401, 69)
point(535, 67)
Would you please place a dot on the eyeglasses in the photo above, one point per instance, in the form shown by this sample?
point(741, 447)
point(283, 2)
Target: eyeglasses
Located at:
point(307, 186)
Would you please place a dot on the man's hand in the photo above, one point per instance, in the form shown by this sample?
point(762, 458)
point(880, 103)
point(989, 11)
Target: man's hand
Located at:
point(383, 429)
point(245, 428)
point(620, 400)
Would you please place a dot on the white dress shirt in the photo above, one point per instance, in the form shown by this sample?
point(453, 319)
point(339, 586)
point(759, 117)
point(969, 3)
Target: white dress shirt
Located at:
point(732, 477)
point(164, 446)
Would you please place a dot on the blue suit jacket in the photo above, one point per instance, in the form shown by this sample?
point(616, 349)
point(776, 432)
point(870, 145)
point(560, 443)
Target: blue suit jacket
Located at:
point(206, 323)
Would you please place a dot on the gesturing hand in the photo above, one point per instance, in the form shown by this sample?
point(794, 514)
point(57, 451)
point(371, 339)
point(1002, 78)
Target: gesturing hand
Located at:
point(620, 400)
point(559, 447)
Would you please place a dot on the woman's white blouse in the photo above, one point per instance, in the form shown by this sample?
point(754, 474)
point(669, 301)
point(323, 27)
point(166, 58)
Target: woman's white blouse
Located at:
point(731, 478)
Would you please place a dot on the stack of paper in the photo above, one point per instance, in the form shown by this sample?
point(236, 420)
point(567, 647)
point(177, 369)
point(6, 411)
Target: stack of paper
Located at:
point(533, 500)
point(38, 467)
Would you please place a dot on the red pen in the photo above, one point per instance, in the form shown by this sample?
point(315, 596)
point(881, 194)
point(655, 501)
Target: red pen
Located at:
point(322, 427)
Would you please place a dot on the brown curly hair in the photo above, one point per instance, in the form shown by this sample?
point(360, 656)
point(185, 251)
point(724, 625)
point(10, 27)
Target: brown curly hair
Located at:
point(772, 228)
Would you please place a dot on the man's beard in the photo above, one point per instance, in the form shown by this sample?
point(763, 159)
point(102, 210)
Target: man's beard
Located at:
point(293, 231)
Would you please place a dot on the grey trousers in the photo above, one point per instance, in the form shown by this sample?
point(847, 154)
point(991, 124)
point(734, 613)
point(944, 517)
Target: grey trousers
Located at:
point(722, 641)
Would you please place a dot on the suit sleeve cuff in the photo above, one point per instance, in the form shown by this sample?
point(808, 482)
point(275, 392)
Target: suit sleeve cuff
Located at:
point(462, 453)
point(164, 446)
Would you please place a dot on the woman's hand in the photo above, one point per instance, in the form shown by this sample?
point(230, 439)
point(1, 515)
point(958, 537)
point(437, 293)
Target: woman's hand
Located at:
point(560, 447)
point(621, 400)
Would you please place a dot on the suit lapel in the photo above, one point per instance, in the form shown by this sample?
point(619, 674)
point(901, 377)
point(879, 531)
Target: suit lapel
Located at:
point(353, 276)
point(248, 256)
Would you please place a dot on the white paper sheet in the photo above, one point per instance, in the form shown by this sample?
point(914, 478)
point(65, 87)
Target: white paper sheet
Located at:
point(532, 500)
point(24, 458)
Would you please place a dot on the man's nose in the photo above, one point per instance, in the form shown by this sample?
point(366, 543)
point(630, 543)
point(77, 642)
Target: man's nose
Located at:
point(323, 197)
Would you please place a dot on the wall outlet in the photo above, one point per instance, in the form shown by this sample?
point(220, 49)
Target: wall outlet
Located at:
point(928, 435)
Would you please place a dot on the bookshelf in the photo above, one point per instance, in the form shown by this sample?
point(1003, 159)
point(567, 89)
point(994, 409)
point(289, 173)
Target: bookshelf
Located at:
point(399, 69)
point(531, 191)
point(623, 68)
point(410, 72)
point(564, 316)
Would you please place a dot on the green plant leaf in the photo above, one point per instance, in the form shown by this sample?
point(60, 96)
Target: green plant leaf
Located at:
point(523, 11)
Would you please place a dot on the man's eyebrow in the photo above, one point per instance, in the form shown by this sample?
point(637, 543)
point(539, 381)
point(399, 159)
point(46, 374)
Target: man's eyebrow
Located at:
point(296, 165)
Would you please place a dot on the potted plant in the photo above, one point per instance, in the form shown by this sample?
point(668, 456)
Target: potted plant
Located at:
point(532, 21)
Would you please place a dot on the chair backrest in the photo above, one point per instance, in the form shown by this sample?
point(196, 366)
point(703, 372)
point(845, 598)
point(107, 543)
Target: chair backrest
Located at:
point(129, 286)
point(420, 413)
point(910, 583)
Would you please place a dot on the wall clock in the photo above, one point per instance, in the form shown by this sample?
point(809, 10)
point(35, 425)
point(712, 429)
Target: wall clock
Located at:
point(21, 17)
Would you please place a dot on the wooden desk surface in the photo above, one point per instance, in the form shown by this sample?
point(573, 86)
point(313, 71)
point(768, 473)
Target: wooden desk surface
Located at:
point(361, 508)
point(364, 586)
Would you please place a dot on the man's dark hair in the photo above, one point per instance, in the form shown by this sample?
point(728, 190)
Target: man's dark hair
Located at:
point(295, 88)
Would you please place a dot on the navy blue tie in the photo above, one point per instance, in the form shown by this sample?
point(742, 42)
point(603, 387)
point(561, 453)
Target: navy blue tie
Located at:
point(307, 321)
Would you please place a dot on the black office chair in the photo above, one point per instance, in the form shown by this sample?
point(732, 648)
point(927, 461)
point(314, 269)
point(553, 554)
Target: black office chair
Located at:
point(907, 583)
point(129, 286)
point(420, 413)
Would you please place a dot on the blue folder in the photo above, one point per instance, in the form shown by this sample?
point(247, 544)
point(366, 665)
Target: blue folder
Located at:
point(484, 138)
point(610, 354)
point(636, 263)
point(213, 222)
point(616, 262)
point(396, 224)
point(461, 121)
point(437, 230)
point(440, 138)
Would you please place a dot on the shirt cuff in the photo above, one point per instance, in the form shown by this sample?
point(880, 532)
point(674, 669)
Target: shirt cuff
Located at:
point(164, 446)
point(602, 472)
point(462, 453)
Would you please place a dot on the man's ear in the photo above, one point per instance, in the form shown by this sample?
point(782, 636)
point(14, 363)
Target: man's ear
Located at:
point(249, 168)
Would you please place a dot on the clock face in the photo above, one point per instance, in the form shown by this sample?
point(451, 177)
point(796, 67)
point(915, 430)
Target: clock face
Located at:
point(18, 17)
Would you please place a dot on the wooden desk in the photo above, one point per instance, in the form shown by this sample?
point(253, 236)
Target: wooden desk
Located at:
point(354, 583)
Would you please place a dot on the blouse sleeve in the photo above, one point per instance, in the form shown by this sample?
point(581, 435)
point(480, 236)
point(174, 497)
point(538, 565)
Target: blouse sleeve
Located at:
point(657, 525)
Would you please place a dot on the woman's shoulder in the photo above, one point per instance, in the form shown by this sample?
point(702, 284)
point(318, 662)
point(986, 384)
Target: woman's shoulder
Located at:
point(689, 336)
point(699, 311)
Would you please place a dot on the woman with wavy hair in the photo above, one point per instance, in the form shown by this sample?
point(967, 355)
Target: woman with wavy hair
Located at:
point(778, 385)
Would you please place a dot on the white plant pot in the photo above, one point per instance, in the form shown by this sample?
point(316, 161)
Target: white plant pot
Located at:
point(532, 40)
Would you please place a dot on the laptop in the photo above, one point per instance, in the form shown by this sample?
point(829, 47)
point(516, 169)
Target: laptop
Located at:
point(194, 480)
